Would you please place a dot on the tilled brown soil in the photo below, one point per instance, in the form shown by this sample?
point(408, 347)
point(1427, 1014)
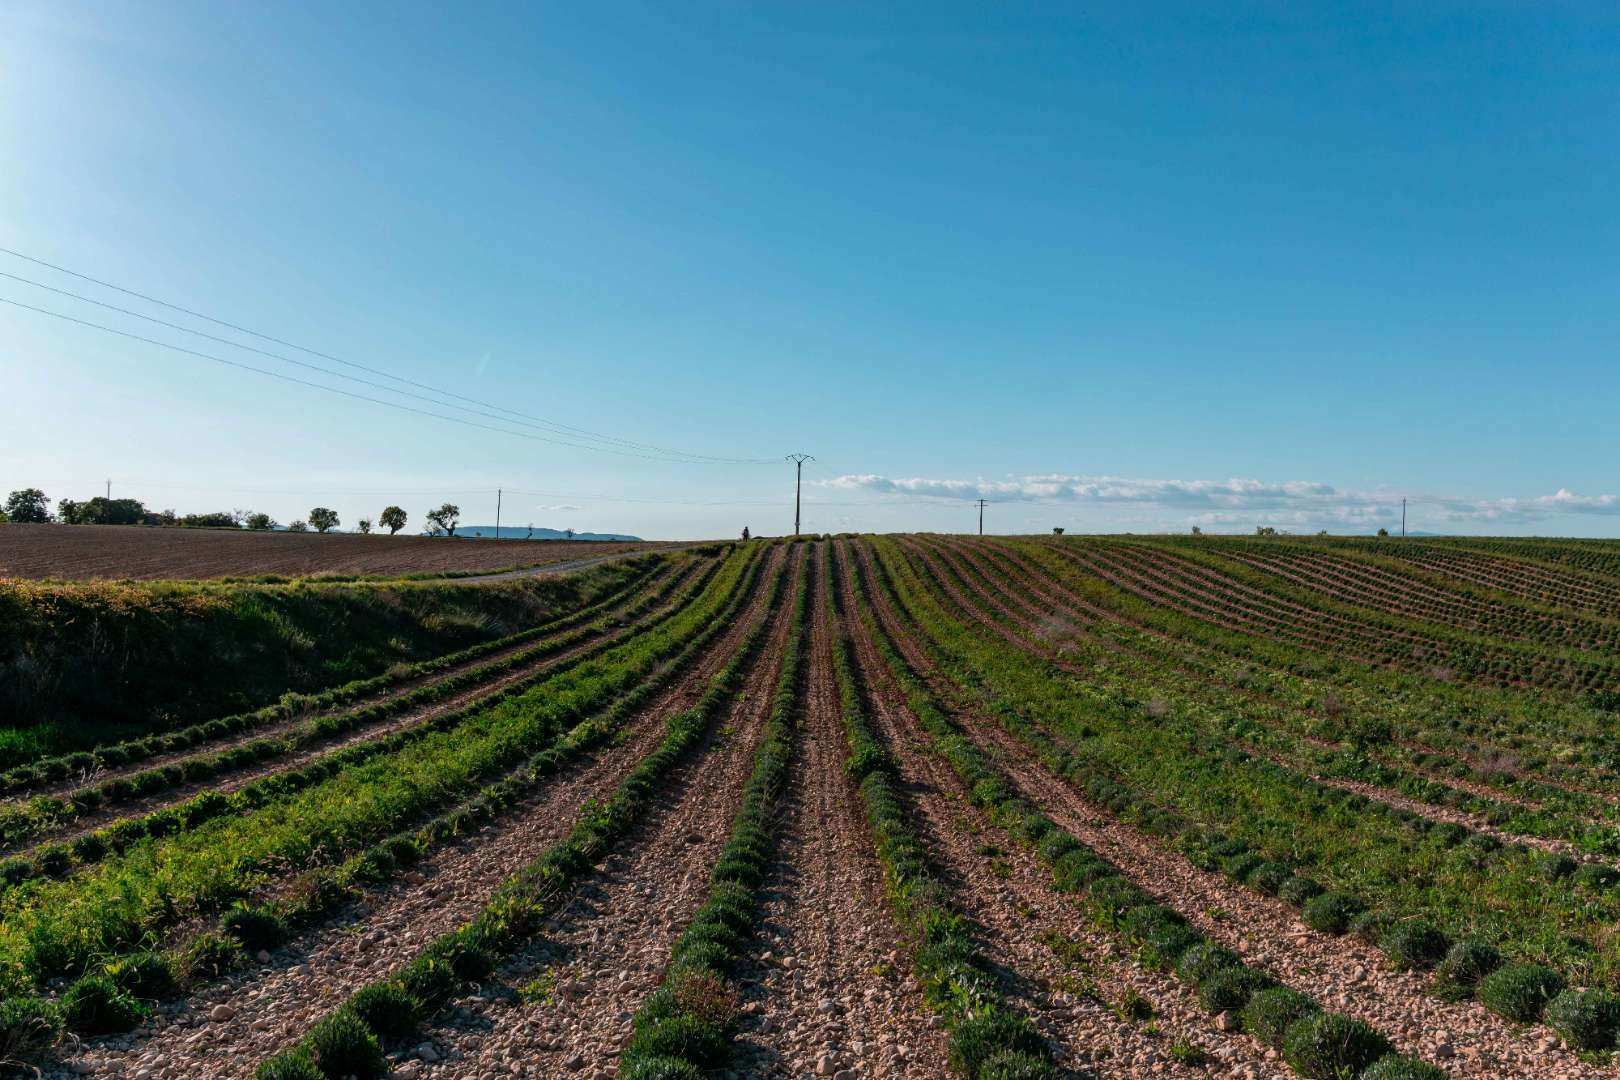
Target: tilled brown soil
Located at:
point(118, 552)
point(424, 714)
point(601, 954)
point(269, 1008)
point(829, 987)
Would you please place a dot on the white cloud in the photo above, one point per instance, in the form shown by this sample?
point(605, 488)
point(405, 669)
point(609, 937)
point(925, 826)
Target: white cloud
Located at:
point(1301, 504)
point(559, 508)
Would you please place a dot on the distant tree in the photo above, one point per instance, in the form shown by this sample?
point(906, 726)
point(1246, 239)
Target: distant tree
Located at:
point(1057, 530)
point(323, 518)
point(745, 533)
point(298, 526)
point(164, 518)
point(29, 506)
point(1197, 531)
point(1264, 530)
point(445, 518)
point(220, 520)
point(102, 511)
point(364, 525)
point(530, 534)
point(568, 533)
point(260, 522)
point(392, 518)
point(1383, 532)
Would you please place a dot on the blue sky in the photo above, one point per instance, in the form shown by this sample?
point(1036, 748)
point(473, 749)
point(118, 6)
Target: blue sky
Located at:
point(1129, 269)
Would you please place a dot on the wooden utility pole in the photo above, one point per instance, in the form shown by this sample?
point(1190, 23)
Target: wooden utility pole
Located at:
point(798, 479)
point(1403, 517)
point(497, 513)
point(982, 505)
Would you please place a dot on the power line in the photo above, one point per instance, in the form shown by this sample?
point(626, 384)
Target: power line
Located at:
point(691, 458)
point(320, 386)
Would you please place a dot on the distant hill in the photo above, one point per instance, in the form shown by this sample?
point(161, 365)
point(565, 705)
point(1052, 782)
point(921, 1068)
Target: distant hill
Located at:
point(521, 532)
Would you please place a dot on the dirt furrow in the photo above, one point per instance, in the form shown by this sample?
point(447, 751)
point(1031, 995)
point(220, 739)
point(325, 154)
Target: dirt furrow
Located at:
point(270, 1007)
point(830, 979)
point(568, 1000)
point(1070, 976)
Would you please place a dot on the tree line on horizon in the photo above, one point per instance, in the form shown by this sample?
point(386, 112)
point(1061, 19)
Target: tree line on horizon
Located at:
point(32, 506)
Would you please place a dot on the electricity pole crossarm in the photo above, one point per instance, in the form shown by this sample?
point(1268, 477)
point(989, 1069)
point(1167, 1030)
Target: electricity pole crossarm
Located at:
point(798, 479)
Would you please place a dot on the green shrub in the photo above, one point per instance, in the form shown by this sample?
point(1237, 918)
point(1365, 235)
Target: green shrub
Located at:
point(977, 1040)
point(1268, 877)
point(341, 1046)
point(1557, 866)
point(1012, 1065)
point(1331, 912)
point(29, 1026)
point(387, 1009)
point(1597, 877)
point(1467, 962)
point(1231, 988)
point(293, 1065)
point(430, 981)
point(1414, 944)
point(1164, 944)
point(95, 1005)
point(1296, 890)
point(1271, 1012)
point(1371, 926)
point(256, 928)
point(1329, 1045)
point(1519, 991)
point(148, 975)
point(683, 1037)
point(1202, 961)
point(209, 956)
point(1239, 867)
point(1396, 1067)
point(1585, 1019)
point(660, 1068)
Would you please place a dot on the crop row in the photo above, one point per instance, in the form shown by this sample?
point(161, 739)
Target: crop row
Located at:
point(989, 1039)
point(49, 929)
point(349, 1041)
point(1388, 709)
point(1290, 824)
point(1353, 579)
point(58, 859)
point(87, 763)
point(1314, 1042)
point(685, 1027)
point(22, 821)
point(1276, 724)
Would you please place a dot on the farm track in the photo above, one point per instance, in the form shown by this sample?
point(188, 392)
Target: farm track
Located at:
point(497, 684)
point(1008, 896)
point(609, 943)
point(1339, 971)
point(273, 1004)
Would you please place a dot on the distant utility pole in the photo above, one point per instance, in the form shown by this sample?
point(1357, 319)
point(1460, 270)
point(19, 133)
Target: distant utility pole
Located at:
point(798, 479)
point(1403, 517)
point(109, 491)
point(497, 513)
point(982, 505)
